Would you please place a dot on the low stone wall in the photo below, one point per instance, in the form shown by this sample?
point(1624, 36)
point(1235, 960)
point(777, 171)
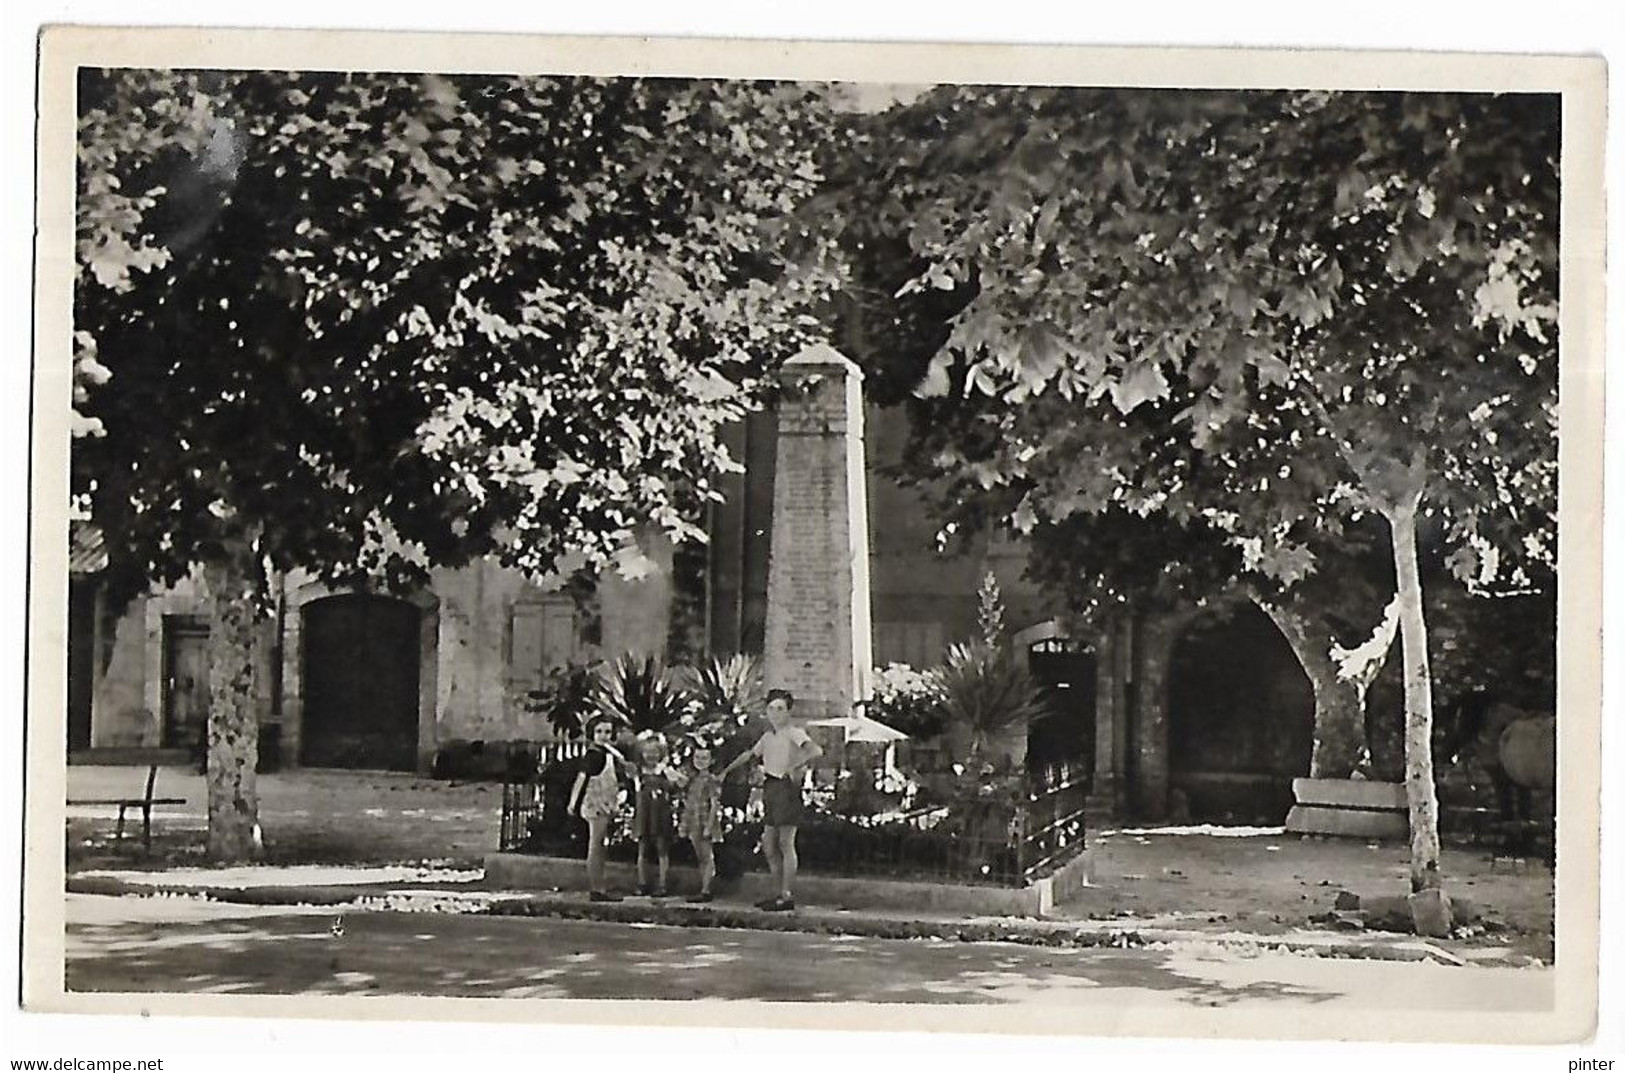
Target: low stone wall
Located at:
point(521, 871)
point(1064, 884)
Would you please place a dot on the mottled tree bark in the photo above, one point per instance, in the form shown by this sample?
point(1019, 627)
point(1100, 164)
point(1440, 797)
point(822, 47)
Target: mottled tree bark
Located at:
point(1420, 792)
point(1339, 703)
point(233, 732)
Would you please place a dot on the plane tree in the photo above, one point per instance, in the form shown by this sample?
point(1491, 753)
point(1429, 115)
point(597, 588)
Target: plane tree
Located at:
point(1344, 304)
point(368, 325)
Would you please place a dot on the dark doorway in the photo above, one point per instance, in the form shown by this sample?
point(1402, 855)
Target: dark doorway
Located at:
point(1240, 719)
point(186, 683)
point(361, 683)
point(1065, 672)
point(81, 661)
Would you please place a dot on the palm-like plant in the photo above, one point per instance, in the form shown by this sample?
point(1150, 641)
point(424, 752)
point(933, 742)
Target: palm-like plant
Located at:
point(985, 695)
point(724, 695)
point(564, 699)
point(640, 694)
point(729, 687)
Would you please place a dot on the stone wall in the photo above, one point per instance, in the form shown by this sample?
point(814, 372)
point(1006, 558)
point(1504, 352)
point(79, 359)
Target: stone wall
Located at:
point(128, 691)
point(498, 636)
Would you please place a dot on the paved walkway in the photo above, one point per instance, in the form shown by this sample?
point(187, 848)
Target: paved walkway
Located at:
point(151, 945)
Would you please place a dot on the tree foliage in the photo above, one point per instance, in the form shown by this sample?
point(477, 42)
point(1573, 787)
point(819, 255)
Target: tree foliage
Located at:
point(1305, 288)
point(1335, 304)
point(374, 323)
point(366, 325)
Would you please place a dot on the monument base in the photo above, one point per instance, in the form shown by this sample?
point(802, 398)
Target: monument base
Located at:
point(1349, 808)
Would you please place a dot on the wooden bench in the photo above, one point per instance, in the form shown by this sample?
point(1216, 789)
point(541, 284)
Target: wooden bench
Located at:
point(154, 759)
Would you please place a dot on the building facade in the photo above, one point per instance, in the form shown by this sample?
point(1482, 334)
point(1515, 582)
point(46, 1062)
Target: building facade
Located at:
point(1161, 711)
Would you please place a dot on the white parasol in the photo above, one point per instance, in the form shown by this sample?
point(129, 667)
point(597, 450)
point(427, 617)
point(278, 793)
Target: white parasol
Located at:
point(856, 727)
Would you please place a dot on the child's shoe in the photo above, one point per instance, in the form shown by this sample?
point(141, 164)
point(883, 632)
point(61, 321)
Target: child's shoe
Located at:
point(702, 896)
point(603, 896)
point(780, 905)
point(660, 892)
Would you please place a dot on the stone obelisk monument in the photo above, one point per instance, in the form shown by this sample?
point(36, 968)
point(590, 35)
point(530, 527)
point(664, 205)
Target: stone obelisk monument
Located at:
point(818, 626)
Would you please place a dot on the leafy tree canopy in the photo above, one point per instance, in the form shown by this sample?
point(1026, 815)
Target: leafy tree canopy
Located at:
point(374, 323)
point(1269, 313)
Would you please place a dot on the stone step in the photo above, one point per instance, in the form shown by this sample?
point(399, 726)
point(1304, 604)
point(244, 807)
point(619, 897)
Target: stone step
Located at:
point(1346, 822)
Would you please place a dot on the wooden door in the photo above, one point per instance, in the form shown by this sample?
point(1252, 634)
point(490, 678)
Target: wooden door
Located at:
point(186, 684)
point(361, 683)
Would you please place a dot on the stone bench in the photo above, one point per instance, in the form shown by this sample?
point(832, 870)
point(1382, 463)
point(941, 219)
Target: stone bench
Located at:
point(1351, 808)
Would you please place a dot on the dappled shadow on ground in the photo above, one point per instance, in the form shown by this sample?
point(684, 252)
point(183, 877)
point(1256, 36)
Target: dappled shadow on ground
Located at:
point(1264, 883)
point(147, 945)
point(309, 816)
point(1271, 883)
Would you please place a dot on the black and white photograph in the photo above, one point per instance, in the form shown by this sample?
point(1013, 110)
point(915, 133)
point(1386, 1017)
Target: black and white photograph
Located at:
point(704, 532)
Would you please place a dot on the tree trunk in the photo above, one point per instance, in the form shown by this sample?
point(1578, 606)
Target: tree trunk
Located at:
point(1339, 703)
point(1153, 653)
point(234, 830)
point(1420, 792)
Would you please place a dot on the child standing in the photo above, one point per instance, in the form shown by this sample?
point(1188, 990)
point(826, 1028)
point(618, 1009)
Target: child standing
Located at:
point(702, 814)
point(596, 797)
point(655, 823)
point(784, 751)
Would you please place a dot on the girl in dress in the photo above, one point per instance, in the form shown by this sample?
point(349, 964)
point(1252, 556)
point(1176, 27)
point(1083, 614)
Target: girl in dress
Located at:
point(596, 798)
point(702, 814)
point(655, 822)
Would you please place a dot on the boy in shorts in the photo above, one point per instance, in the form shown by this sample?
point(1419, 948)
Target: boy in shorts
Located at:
point(784, 752)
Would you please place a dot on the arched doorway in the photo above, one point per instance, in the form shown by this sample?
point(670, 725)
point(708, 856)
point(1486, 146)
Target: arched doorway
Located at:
point(361, 664)
point(1240, 718)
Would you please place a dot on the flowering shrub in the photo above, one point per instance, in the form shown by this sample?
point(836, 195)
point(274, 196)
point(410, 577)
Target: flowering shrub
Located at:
point(722, 698)
point(865, 793)
point(731, 687)
point(899, 784)
point(908, 700)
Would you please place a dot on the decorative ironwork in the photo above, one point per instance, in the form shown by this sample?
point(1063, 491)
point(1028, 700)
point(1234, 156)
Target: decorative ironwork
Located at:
point(1009, 839)
point(1059, 646)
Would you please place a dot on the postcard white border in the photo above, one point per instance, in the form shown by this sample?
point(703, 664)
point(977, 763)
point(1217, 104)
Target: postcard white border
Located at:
point(1580, 80)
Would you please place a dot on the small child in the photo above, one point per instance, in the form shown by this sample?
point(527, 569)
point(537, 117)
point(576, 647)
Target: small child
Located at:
point(596, 797)
point(655, 822)
point(702, 814)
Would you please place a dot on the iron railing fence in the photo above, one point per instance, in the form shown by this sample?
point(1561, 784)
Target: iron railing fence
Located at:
point(1034, 826)
point(1052, 831)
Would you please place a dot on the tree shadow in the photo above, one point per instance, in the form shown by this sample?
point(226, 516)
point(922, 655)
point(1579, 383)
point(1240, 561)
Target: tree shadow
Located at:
point(212, 948)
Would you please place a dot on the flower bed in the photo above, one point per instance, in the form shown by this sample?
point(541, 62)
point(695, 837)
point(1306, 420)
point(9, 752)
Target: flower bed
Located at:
point(986, 827)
